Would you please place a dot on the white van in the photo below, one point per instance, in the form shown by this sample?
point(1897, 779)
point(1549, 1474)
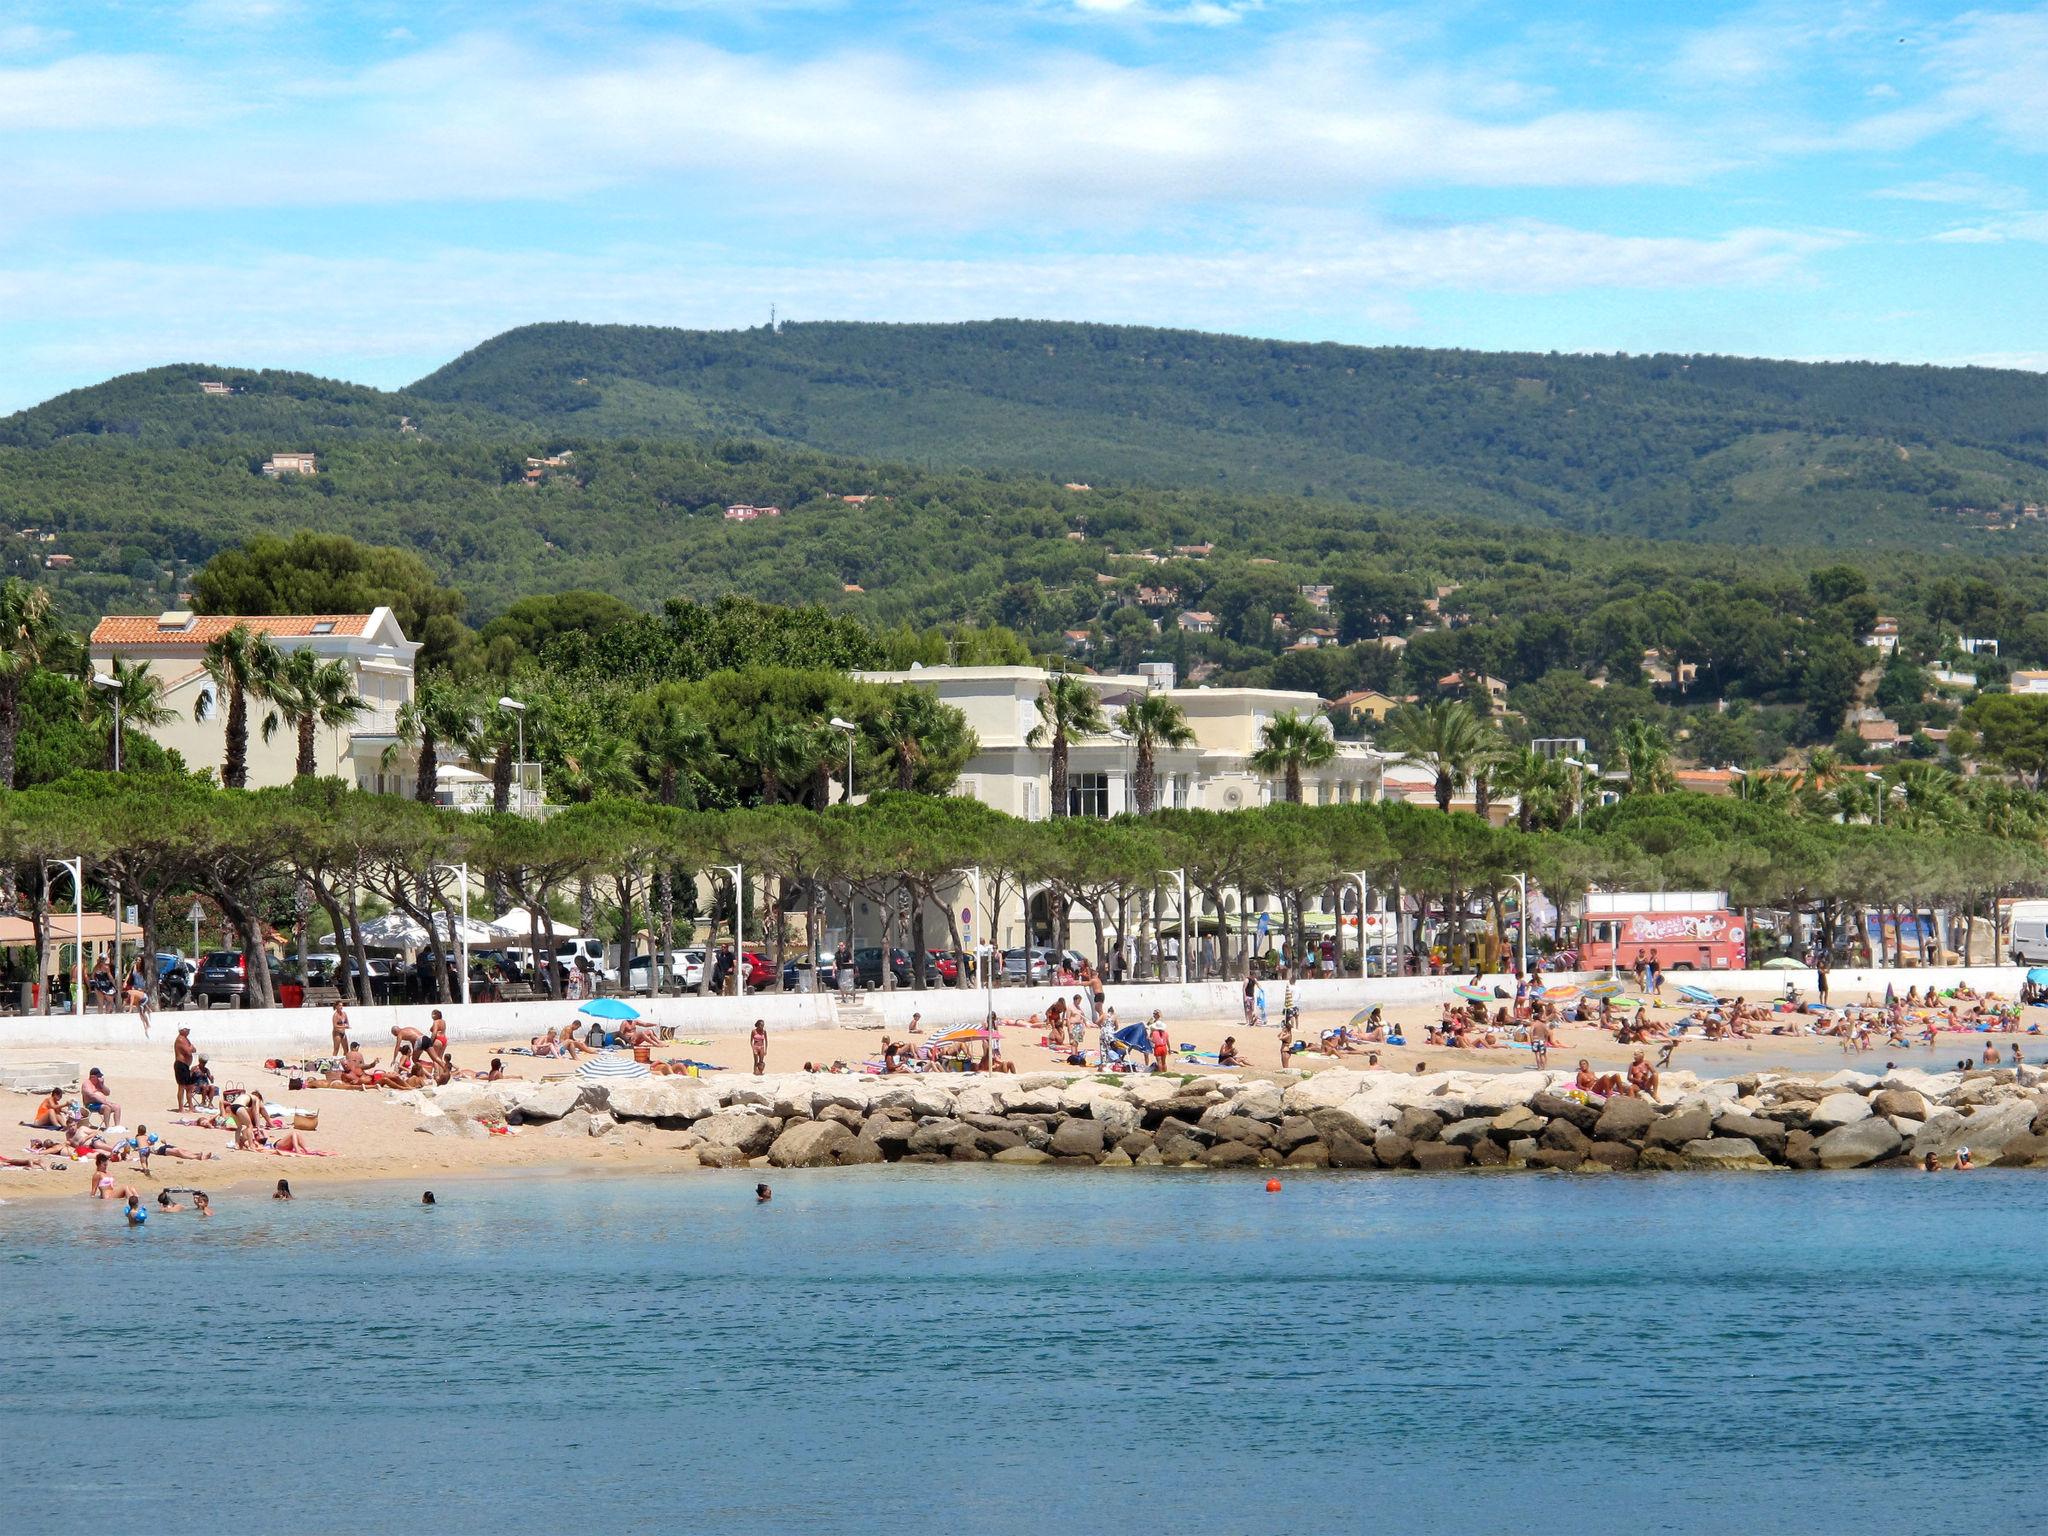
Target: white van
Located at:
point(2029, 944)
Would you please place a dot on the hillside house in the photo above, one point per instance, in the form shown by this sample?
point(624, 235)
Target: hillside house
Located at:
point(1195, 622)
point(215, 387)
point(743, 513)
point(1884, 634)
point(281, 464)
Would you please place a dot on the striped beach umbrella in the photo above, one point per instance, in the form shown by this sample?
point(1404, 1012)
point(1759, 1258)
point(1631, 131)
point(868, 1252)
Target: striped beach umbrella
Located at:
point(611, 1067)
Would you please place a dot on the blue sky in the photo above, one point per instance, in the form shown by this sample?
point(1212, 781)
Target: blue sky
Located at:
point(367, 189)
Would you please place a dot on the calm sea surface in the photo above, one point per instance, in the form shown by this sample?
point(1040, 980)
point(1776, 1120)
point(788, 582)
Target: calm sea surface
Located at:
point(907, 1351)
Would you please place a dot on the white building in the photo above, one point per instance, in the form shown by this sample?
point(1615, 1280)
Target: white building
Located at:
point(173, 646)
point(1009, 774)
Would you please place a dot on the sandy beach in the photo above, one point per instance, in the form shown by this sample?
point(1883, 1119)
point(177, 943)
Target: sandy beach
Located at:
point(374, 1135)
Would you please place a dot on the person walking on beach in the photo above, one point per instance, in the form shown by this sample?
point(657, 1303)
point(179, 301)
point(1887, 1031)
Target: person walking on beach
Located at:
point(1820, 980)
point(1251, 998)
point(1286, 1039)
point(182, 1052)
point(1539, 1043)
point(338, 1023)
point(759, 1041)
point(1161, 1043)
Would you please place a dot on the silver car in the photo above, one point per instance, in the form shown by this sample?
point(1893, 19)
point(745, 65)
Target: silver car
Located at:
point(1033, 966)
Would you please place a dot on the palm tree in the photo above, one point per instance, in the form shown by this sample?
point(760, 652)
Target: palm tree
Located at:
point(1067, 708)
point(441, 713)
point(671, 743)
point(25, 632)
point(793, 756)
point(918, 730)
point(1538, 784)
point(1290, 742)
point(241, 665)
point(1443, 736)
point(137, 697)
point(1152, 722)
point(307, 693)
point(1645, 753)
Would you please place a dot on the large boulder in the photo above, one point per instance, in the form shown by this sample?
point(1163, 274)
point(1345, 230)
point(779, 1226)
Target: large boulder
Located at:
point(1260, 1101)
point(1515, 1122)
point(664, 1100)
point(1837, 1109)
point(1800, 1149)
point(542, 1101)
point(1899, 1103)
point(1465, 1132)
point(1294, 1131)
point(1392, 1150)
point(1322, 1089)
point(1858, 1143)
point(1618, 1155)
point(941, 1137)
point(1230, 1154)
point(2026, 1151)
point(1491, 1095)
point(808, 1144)
point(1693, 1122)
point(1418, 1124)
point(1562, 1106)
point(1022, 1157)
point(1984, 1131)
point(1438, 1157)
point(1768, 1135)
point(742, 1130)
point(1625, 1119)
point(856, 1150)
point(1032, 1097)
point(1118, 1116)
point(1724, 1152)
point(1253, 1133)
point(1562, 1135)
point(1077, 1138)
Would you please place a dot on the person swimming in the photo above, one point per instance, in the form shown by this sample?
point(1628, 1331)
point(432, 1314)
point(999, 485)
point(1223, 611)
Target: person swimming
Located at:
point(763, 1194)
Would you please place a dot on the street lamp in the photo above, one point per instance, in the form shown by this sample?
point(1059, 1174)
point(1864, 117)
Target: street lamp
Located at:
point(76, 869)
point(518, 712)
point(1522, 924)
point(1878, 778)
point(1578, 789)
point(851, 729)
point(461, 873)
point(1181, 875)
point(113, 686)
point(739, 928)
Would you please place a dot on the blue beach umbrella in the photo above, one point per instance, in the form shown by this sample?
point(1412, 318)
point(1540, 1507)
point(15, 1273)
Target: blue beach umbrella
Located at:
point(2038, 976)
point(609, 1008)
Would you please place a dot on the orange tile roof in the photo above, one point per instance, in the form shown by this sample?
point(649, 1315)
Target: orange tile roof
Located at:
point(143, 629)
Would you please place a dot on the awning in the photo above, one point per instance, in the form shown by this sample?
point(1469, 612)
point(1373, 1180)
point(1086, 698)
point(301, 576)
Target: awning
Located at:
point(62, 927)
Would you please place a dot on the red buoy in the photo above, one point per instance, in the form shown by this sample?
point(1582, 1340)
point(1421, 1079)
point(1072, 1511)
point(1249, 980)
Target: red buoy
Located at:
point(1272, 1186)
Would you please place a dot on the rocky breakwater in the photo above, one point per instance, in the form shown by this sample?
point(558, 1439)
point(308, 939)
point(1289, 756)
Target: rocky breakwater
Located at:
point(1335, 1119)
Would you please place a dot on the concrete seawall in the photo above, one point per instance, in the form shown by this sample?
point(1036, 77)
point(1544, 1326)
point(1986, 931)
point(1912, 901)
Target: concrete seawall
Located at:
point(305, 1030)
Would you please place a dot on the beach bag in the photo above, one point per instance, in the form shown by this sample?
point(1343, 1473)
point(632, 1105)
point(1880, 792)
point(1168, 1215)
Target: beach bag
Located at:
point(306, 1120)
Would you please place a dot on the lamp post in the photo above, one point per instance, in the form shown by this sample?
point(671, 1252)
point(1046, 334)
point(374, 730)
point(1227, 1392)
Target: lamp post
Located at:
point(1522, 924)
point(461, 873)
point(518, 712)
point(1578, 789)
point(1181, 876)
point(1363, 891)
point(851, 730)
point(1877, 795)
point(76, 869)
point(113, 686)
point(199, 912)
point(739, 928)
point(985, 976)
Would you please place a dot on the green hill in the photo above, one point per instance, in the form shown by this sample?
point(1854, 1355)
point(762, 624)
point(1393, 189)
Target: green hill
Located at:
point(1662, 446)
point(1665, 447)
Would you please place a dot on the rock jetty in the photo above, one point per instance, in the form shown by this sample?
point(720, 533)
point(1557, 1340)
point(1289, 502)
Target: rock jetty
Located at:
point(1336, 1119)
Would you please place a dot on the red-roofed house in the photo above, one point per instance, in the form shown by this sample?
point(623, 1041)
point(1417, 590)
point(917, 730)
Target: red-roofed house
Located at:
point(378, 655)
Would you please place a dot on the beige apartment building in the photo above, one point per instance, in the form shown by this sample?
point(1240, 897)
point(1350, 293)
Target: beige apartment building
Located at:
point(173, 646)
point(1009, 774)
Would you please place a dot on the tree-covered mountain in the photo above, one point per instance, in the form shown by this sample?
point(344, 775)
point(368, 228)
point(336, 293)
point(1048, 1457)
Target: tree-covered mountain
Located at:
point(1667, 447)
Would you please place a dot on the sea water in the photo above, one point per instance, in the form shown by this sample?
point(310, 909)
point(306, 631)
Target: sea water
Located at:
point(989, 1350)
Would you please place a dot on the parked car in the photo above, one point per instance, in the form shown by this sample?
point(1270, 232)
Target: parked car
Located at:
point(1032, 967)
point(223, 978)
point(947, 964)
point(683, 966)
point(867, 967)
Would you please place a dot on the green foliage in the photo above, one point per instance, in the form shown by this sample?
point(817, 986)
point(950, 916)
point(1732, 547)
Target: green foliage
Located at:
point(329, 573)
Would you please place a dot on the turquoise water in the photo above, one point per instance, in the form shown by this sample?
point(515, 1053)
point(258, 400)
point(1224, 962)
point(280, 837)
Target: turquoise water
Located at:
point(910, 1351)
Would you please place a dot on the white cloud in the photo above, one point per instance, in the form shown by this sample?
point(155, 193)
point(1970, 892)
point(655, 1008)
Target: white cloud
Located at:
point(2022, 226)
point(27, 37)
point(1966, 188)
point(1065, 138)
point(1205, 13)
point(94, 92)
point(1988, 68)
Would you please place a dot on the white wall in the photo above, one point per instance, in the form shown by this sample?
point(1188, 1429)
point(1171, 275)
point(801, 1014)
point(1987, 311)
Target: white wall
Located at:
point(301, 1031)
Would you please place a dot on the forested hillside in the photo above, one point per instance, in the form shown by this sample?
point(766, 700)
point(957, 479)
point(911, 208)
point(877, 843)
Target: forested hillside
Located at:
point(1323, 518)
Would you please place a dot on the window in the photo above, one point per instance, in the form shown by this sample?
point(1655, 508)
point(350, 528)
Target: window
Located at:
point(1088, 795)
point(1322, 792)
point(1180, 790)
point(1031, 800)
point(324, 627)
